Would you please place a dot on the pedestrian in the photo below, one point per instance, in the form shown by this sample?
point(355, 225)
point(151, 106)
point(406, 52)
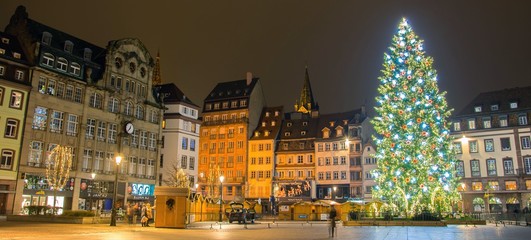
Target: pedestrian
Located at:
point(144, 217)
point(332, 217)
point(149, 213)
point(136, 213)
point(129, 212)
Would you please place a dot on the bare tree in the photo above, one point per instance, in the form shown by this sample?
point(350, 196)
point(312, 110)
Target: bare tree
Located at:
point(58, 167)
point(177, 178)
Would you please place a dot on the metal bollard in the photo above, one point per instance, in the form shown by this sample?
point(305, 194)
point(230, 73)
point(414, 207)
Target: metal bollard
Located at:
point(245, 224)
point(268, 225)
point(211, 226)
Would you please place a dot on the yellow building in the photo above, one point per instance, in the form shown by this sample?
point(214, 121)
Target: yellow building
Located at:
point(14, 92)
point(230, 113)
point(262, 157)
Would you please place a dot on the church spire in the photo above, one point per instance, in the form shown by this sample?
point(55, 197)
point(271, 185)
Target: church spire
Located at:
point(157, 79)
point(306, 104)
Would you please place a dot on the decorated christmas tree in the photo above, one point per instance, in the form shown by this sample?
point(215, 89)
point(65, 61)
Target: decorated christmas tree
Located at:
point(416, 164)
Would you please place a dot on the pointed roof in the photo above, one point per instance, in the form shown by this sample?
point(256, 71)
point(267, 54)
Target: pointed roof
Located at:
point(157, 79)
point(172, 94)
point(306, 102)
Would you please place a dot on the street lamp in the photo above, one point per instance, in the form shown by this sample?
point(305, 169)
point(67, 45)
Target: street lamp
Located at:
point(221, 178)
point(93, 175)
point(113, 212)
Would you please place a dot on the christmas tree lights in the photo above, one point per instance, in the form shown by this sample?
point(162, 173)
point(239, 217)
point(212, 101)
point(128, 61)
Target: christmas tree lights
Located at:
point(416, 164)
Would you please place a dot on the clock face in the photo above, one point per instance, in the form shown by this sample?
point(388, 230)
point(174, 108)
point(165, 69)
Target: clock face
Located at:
point(129, 128)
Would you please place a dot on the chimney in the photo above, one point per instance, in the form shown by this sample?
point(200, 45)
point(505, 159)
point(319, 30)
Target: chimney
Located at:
point(249, 78)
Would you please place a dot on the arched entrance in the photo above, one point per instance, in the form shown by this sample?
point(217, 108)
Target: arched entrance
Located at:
point(495, 205)
point(478, 204)
point(513, 205)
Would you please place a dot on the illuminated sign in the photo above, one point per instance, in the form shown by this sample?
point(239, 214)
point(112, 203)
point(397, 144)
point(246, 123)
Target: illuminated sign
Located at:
point(140, 189)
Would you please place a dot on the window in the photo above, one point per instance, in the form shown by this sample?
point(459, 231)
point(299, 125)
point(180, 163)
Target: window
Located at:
point(494, 185)
point(457, 147)
point(474, 167)
point(114, 105)
point(11, 128)
point(471, 123)
point(56, 121)
point(510, 185)
point(143, 139)
point(48, 59)
point(508, 168)
point(477, 109)
point(491, 167)
point(528, 184)
point(19, 75)
point(192, 163)
point(243, 103)
point(87, 54)
point(460, 168)
point(503, 121)
point(75, 69)
point(473, 146)
point(35, 158)
point(489, 145)
point(505, 144)
point(2, 70)
point(51, 87)
point(91, 127)
point(477, 186)
point(527, 165)
point(152, 141)
point(486, 122)
point(526, 143)
point(184, 162)
point(522, 119)
point(46, 38)
point(139, 112)
point(71, 125)
point(16, 99)
point(513, 105)
point(457, 126)
point(7, 159)
point(60, 90)
point(192, 144)
point(184, 143)
point(494, 107)
point(102, 126)
point(62, 64)
point(113, 129)
point(68, 46)
point(95, 100)
point(128, 108)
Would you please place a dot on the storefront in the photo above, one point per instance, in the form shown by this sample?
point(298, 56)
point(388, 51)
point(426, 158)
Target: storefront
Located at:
point(95, 195)
point(37, 192)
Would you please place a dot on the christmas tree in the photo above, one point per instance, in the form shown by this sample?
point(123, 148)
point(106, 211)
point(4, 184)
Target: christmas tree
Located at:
point(416, 164)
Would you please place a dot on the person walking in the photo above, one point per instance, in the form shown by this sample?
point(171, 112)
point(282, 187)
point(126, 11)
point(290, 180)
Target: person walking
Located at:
point(332, 217)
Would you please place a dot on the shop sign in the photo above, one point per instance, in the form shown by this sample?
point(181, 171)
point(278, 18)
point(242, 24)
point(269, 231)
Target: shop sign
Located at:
point(140, 189)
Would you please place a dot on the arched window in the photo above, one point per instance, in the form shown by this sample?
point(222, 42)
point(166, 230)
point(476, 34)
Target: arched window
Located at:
point(62, 64)
point(48, 59)
point(69, 46)
point(139, 112)
point(87, 54)
point(75, 68)
point(6, 161)
point(495, 204)
point(114, 105)
point(96, 100)
point(478, 204)
point(128, 109)
point(46, 38)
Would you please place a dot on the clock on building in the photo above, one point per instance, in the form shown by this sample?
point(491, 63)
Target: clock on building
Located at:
point(129, 128)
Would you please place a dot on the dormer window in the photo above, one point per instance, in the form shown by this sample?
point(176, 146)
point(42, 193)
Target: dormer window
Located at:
point(304, 123)
point(303, 133)
point(332, 124)
point(263, 124)
point(287, 134)
point(326, 133)
point(267, 114)
point(225, 105)
point(46, 38)
point(2, 51)
point(266, 133)
point(339, 132)
point(69, 46)
point(276, 113)
point(288, 124)
point(513, 105)
point(5, 40)
point(256, 134)
point(87, 54)
point(273, 123)
point(494, 107)
point(16, 55)
point(477, 109)
point(234, 104)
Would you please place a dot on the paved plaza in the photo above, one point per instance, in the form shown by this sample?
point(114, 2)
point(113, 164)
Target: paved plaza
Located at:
point(282, 230)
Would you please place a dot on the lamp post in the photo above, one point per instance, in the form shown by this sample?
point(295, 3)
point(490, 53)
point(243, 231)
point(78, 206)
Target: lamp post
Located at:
point(114, 195)
point(93, 175)
point(221, 178)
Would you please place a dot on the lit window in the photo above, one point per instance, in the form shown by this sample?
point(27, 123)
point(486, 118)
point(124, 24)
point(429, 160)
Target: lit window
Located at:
point(457, 126)
point(510, 185)
point(477, 109)
point(494, 107)
point(503, 121)
point(489, 145)
point(522, 119)
point(513, 105)
point(48, 59)
point(75, 69)
point(486, 122)
point(477, 186)
point(62, 64)
point(471, 123)
point(491, 167)
point(19, 75)
point(7, 159)
point(16, 99)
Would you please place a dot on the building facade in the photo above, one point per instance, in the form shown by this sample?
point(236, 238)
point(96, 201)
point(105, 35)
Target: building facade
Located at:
point(492, 141)
point(230, 114)
point(180, 134)
point(262, 157)
point(82, 97)
point(14, 92)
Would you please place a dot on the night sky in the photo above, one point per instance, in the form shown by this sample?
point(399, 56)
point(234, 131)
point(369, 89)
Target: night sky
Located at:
point(477, 46)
